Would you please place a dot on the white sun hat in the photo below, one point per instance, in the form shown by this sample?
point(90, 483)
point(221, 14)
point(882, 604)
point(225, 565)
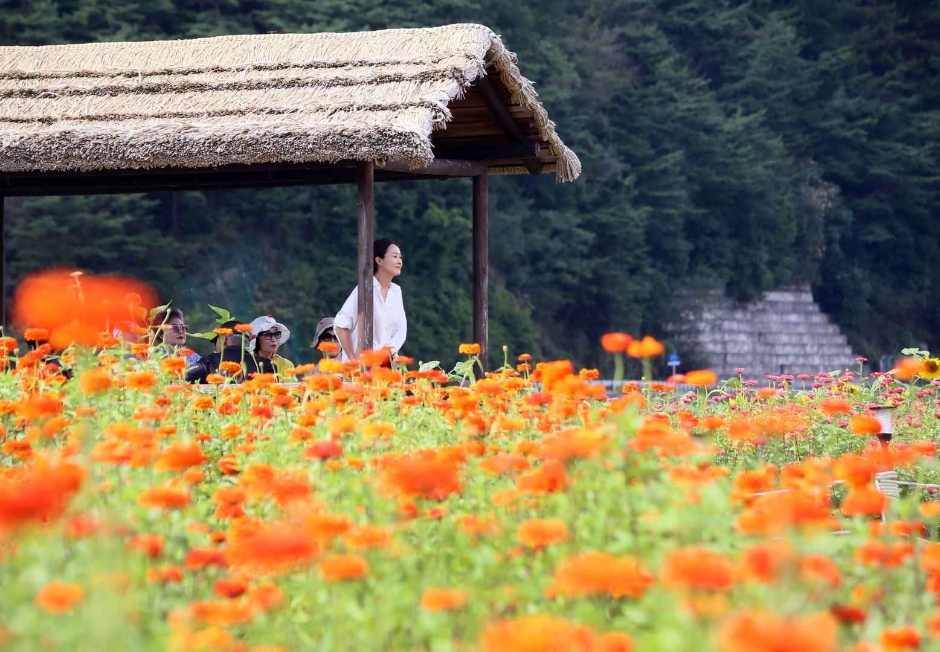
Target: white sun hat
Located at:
point(266, 323)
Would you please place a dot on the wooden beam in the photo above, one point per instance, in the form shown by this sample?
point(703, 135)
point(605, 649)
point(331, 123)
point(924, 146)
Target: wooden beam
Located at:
point(438, 167)
point(505, 120)
point(253, 168)
point(103, 185)
point(3, 264)
point(527, 149)
point(365, 179)
point(481, 268)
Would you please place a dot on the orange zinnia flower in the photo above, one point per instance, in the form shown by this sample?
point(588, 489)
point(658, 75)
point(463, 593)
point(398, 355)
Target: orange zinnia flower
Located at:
point(149, 544)
point(763, 562)
point(879, 553)
point(616, 342)
point(597, 573)
point(164, 574)
point(180, 455)
point(767, 392)
point(140, 380)
point(696, 568)
point(534, 634)
point(198, 558)
point(774, 513)
point(269, 547)
point(59, 597)
point(906, 368)
point(343, 567)
point(163, 498)
point(230, 367)
point(228, 587)
point(37, 493)
point(74, 310)
point(900, 638)
point(864, 425)
point(613, 642)
point(703, 377)
point(835, 406)
point(375, 358)
point(568, 444)
point(222, 612)
point(422, 474)
point(173, 366)
point(95, 381)
point(864, 501)
point(645, 348)
point(819, 568)
point(537, 532)
point(367, 536)
point(550, 477)
point(760, 631)
point(857, 471)
point(436, 599)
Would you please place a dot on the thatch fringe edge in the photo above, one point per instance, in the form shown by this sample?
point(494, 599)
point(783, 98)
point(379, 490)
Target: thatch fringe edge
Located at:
point(568, 166)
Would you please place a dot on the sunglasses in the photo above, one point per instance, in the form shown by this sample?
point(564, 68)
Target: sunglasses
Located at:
point(328, 337)
point(179, 328)
point(271, 335)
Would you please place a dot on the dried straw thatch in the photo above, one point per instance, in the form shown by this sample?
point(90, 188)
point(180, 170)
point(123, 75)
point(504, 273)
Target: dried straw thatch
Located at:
point(250, 99)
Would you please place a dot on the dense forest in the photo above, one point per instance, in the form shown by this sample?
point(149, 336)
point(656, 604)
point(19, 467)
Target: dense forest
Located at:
point(726, 145)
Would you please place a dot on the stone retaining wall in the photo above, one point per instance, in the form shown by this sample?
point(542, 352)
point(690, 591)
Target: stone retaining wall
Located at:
point(785, 332)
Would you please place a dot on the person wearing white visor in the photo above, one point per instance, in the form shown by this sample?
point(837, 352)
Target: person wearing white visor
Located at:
point(267, 336)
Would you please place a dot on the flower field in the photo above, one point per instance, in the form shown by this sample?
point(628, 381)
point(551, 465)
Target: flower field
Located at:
point(367, 508)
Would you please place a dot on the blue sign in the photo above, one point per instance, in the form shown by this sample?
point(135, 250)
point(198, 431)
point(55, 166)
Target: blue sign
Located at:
point(674, 359)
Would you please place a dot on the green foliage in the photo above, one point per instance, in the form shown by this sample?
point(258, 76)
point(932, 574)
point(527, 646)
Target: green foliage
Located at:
point(730, 145)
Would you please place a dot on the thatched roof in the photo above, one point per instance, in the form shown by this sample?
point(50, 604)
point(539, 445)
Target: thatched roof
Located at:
point(281, 98)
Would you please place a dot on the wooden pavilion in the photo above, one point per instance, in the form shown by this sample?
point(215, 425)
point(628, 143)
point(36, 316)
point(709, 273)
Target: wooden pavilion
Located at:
point(260, 111)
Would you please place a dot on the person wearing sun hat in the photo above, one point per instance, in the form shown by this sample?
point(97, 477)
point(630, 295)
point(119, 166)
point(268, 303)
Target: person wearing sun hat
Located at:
point(232, 347)
point(325, 335)
point(267, 336)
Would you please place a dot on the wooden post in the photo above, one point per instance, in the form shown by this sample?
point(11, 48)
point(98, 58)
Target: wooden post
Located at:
point(365, 178)
point(3, 265)
point(481, 269)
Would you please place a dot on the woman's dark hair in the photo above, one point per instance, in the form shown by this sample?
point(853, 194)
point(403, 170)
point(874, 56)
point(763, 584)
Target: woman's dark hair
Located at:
point(162, 318)
point(379, 249)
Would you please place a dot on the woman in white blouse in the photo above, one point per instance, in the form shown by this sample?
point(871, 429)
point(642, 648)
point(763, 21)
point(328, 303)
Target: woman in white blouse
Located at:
point(389, 325)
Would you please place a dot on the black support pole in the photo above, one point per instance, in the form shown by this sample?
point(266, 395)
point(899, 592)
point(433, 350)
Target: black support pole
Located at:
point(481, 270)
point(3, 264)
point(366, 201)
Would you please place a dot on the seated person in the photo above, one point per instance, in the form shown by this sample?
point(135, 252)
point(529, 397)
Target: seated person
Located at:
point(170, 333)
point(230, 348)
point(326, 335)
point(267, 337)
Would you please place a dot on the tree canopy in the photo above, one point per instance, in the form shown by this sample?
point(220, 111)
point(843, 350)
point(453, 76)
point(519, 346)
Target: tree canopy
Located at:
point(726, 144)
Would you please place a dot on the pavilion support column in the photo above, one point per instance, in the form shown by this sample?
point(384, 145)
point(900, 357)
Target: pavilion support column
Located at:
point(365, 177)
point(3, 264)
point(481, 267)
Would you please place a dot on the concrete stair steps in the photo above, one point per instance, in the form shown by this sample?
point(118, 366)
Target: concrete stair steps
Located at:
point(785, 332)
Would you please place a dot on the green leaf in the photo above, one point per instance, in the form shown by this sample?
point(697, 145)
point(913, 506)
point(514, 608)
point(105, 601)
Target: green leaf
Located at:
point(156, 311)
point(224, 315)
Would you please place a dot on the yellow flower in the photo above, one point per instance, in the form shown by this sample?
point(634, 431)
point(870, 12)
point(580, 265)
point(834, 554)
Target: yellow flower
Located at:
point(929, 368)
point(469, 349)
